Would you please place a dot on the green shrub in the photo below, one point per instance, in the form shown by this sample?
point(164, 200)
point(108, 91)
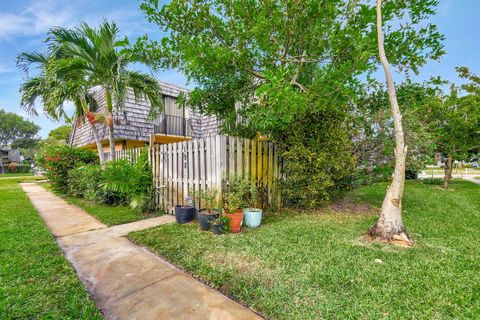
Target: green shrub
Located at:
point(58, 160)
point(85, 181)
point(18, 168)
point(132, 181)
point(433, 181)
point(411, 174)
point(317, 159)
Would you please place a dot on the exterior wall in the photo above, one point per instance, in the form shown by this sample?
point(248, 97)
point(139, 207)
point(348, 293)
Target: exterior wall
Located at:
point(132, 124)
point(203, 126)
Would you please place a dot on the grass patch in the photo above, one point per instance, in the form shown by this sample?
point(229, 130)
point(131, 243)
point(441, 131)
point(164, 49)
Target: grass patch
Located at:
point(109, 215)
point(454, 171)
point(17, 175)
point(313, 266)
point(36, 281)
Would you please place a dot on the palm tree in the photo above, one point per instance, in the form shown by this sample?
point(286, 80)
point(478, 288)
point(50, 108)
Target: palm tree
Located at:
point(96, 56)
point(54, 89)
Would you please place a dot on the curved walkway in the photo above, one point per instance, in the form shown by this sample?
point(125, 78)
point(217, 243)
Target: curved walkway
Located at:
point(125, 280)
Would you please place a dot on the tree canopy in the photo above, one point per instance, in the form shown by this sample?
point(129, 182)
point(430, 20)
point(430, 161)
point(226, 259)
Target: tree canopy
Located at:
point(17, 132)
point(268, 61)
point(61, 133)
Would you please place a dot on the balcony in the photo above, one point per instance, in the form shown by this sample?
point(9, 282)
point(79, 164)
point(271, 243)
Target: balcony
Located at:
point(172, 126)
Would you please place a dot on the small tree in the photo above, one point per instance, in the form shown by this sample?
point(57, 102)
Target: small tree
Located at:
point(96, 56)
point(455, 122)
point(54, 88)
point(373, 133)
point(390, 225)
point(16, 131)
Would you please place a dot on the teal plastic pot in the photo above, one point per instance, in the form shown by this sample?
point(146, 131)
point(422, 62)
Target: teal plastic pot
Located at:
point(252, 217)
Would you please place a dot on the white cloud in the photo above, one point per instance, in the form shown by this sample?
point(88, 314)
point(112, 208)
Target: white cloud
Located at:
point(37, 18)
point(4, 69)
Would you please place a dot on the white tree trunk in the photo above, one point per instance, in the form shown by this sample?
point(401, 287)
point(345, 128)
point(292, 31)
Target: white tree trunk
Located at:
point(389, 226)
point(111, 138)
point(111, 130)
point(101, 154)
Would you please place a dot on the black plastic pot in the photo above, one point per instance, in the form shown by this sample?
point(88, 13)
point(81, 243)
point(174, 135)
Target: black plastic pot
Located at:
point(184, 214)
point(217, 228)
point(204, 218)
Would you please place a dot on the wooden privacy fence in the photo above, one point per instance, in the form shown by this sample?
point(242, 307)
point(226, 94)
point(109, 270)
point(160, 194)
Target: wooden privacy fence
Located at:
point(128, 154)
point(186, 168)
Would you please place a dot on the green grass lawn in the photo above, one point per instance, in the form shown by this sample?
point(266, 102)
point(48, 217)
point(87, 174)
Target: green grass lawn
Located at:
point(313, 266)
point(454, 171)
point(16, 175)
point(36, 281)
point(110, 215)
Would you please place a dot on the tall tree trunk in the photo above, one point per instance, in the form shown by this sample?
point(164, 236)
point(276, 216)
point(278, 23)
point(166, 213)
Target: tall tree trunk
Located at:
point(101, 154)
point(389, 226)
point(98, 142)
point(448, 172)
point(111, 131)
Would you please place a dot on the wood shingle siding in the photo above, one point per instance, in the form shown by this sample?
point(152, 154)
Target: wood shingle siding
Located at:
point(132, 123)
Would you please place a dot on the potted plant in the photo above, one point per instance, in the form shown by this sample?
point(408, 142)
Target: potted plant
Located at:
point(207, 213)
point(234, 200)
point(185, 214)
point(220, 225)
point(253, 214)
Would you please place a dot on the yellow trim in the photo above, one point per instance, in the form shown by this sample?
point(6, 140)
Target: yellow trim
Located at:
point(163, 139)
point(129, 144)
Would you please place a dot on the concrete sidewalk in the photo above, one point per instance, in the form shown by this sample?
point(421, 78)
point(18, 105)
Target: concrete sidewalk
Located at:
point(125, 280)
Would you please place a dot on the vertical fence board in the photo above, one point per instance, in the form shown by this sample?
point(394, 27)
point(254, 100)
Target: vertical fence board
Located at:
point(270, 174)
point(246, 160)
point(208, 163)
point(201, 177)
point(191, 188)
point(239, 160)
point(231, 157)
point(253, 157)
point(196, 171)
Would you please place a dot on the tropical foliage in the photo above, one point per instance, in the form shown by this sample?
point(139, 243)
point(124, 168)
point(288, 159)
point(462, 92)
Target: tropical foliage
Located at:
point(58, 160)
point(78, 61)
point(96, 57)
point(132, 181)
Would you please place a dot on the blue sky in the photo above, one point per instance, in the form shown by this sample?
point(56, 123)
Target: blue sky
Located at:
point(23, 24)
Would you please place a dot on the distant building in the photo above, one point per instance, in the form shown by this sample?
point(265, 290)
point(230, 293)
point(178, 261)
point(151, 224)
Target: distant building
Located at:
point(7, 156)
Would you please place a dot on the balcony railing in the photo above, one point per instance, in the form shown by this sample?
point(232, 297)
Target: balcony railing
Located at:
point(172, 125)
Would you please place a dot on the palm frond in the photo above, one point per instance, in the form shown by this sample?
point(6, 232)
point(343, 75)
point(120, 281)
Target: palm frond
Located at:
point(25, 59)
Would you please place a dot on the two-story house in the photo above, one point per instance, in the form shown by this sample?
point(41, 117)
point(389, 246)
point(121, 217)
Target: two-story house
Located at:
point(134, 129)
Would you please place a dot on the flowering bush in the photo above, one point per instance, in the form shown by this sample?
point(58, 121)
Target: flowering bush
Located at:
point(56, 161)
